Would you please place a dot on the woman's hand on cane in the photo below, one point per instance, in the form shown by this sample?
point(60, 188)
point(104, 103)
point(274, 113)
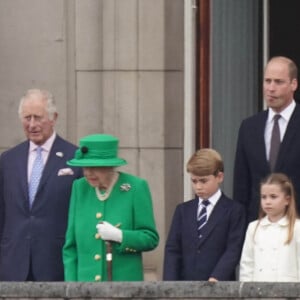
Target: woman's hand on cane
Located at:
point(108, 232)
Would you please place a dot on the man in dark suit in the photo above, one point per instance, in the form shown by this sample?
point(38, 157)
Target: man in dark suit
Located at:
point(252, 161)
point(32, 232)
point(207, 233)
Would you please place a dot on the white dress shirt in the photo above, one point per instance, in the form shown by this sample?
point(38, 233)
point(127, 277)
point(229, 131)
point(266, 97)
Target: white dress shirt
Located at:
point(213, 201)
point(282, 122)
point(46, 147)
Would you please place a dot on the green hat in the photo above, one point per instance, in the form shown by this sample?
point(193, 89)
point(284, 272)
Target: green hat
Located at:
point(97, 150)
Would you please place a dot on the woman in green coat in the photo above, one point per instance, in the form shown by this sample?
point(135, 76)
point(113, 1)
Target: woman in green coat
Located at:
point(108, 209)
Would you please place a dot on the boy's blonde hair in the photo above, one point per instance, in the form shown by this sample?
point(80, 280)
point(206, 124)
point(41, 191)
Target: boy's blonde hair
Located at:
point(286, 186)
point(205, 162)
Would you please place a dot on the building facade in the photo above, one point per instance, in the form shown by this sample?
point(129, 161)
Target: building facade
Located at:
point(130, 68)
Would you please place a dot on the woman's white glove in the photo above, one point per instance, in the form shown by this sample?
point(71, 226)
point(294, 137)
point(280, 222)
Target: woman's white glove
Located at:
point(109, 232)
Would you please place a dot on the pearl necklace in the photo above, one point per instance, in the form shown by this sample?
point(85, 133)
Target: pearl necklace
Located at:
point(103, 196)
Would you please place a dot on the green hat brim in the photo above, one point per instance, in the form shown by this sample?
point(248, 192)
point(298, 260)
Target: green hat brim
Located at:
point(113, 162)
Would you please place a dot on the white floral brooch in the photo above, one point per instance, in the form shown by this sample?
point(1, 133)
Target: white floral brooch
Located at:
point(125, 187)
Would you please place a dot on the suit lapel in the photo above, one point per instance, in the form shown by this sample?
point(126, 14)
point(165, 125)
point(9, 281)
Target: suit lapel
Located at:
point(260, 133)
point(22, 158)
point(291, 130)
point(256, 140)
point(216, 215)
point(52, 162)
point(192, 213)
point(190, 219)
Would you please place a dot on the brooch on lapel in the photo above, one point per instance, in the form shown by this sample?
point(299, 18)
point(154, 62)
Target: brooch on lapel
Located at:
point(125, 187)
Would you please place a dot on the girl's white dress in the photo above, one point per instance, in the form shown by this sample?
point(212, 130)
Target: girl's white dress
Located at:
point(266, 257)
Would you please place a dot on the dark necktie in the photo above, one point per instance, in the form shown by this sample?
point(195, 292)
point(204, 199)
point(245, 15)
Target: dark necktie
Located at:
point(36, 174)
point(202, 217)
point(275, 142)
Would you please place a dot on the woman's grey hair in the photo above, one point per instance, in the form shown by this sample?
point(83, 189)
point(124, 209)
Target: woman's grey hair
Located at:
point(44, 94)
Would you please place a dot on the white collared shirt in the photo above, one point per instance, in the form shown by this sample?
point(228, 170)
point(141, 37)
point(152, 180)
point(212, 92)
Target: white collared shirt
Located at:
point(46, 147)
point(283, 122)
point(213, 201)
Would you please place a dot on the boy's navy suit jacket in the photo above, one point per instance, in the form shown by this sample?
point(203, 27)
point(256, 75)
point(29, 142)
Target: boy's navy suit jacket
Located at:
point(216, 254)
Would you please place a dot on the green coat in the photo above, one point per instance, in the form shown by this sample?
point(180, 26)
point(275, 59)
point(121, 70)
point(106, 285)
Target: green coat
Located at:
point(84, 252)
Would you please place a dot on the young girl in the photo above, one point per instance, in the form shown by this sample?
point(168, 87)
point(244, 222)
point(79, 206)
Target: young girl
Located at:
point(271, 250)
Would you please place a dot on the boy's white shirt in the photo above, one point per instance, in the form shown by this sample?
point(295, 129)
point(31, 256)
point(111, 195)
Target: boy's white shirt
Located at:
point(213, 201)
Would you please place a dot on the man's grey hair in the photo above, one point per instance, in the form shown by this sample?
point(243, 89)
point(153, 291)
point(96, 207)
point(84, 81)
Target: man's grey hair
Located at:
point(50, 106)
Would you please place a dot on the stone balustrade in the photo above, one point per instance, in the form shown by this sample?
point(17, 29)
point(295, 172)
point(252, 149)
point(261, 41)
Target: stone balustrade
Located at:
point(148, 290)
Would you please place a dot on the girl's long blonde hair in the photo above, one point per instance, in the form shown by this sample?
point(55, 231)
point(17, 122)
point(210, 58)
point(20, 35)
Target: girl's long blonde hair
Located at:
point(287, 188)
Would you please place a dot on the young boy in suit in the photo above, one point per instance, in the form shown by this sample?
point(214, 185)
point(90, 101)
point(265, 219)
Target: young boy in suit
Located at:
point(207, 233)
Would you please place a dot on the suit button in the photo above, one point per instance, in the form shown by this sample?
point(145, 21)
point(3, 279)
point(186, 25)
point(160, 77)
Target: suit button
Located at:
point(97, 257)
point(98, 215)
point(97, 278)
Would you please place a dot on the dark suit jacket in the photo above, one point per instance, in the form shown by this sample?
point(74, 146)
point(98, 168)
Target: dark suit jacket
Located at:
point(251, 164)
point(216, 254)
point(35, 235)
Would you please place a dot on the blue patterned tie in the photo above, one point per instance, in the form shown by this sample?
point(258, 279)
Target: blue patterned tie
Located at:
point(36, 174)
point(202, 217)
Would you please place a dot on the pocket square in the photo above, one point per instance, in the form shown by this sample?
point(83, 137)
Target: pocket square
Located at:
point(65, 171)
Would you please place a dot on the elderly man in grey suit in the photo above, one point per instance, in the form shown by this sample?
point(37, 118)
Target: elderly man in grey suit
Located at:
point(35, 187)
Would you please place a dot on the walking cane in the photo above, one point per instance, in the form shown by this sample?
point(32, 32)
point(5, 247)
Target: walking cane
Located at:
point(109, 258)
point(108, 246)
